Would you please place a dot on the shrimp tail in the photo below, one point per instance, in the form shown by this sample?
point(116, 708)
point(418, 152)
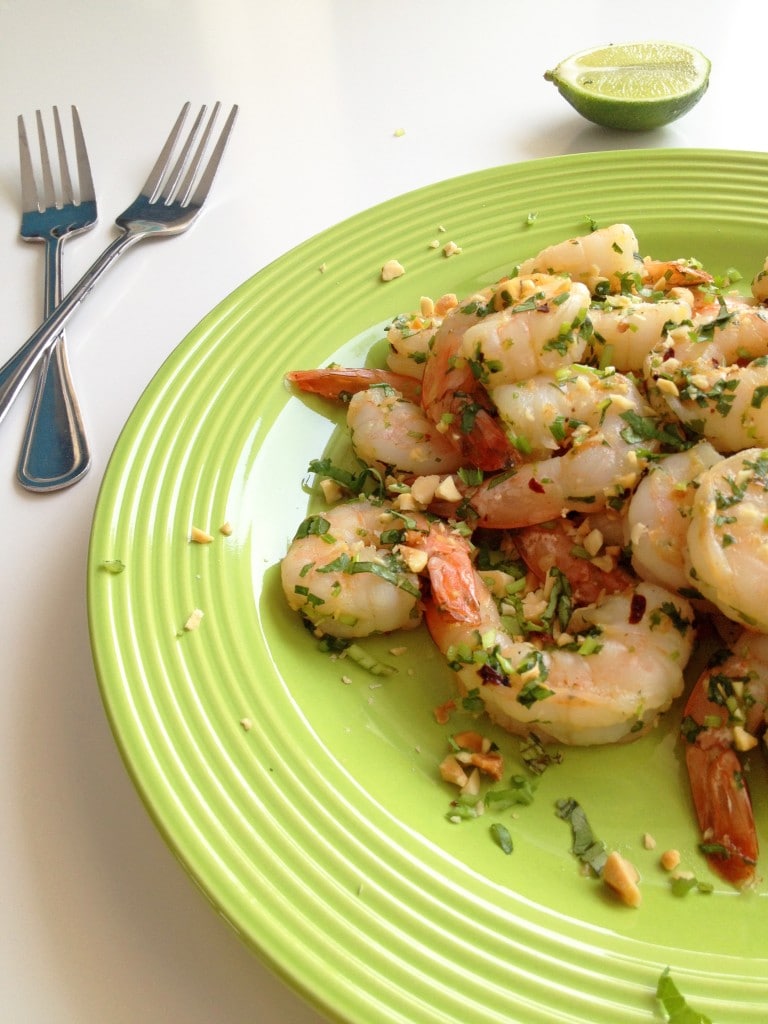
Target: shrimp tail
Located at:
point(718, 788)
point(452, 578)
point(339, 383)
point(453, 588)
point(550, 545)
point(724, 811)
point(459, 405)
point(487, 445)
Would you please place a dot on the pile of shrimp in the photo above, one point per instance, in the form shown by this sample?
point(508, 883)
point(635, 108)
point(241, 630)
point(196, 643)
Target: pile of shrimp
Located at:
point(565, 476)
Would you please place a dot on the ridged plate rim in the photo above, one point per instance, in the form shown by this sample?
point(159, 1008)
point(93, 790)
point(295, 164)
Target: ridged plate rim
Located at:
point(331, 880)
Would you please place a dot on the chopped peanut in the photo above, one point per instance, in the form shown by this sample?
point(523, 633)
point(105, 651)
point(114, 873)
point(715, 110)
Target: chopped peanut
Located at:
point(472, 786)
point(593, 542)
point(406, 503)
point(194, 620)
point(471, 740)
point(331, 490)
point(670, 859)
point(743, 740)
point(391, 270)
point(414, 558)
point(491, 764)
point(443, 712)
point(423, 488)
point(452, 771)
point(199, 536)
point(447, 490)
point(446, 303)
point(622, 876)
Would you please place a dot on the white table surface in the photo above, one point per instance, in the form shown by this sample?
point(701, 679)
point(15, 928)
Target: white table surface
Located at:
point(98, 922)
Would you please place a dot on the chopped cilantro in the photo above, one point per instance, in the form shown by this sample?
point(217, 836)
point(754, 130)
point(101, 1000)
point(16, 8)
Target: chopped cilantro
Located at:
point(536, 757)
point(519, 791)
point(589, 850)
point(113, 566)
point(674, 1003)
point(502, 838)
point(355, 483)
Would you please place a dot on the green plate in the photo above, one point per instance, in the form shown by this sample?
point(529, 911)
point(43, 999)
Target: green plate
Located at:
point(320, 832)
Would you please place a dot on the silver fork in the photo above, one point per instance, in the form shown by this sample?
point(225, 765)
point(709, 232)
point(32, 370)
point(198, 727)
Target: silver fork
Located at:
point(169, 203)
point(55, 450)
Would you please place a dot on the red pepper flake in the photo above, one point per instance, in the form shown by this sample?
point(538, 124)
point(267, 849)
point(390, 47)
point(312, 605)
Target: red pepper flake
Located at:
point(536, 486)
point(492, 675)
point(637, 609)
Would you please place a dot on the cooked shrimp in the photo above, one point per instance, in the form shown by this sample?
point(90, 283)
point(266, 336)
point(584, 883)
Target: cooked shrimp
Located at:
point(387, 429)
point(340, 383)
point(618, 666)
point(455, 400)
point(714, 376)
point(591, 568)
point(410, 336)
point(538, 330)
point(353, 571)
point(725, 715)
point(344, 578)
point(627, 328)
point(664, 275)
point(760, 284)
point(604, 256)
point(605, 430)
point(659, 513)
point(727, 539)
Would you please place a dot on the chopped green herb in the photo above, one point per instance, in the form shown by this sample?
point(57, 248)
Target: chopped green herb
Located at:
point(471, 476)
point(502, 838)
point(312, 526)
point(356, 483)
point(674, 1003)
point(681, 885)
point(113, 566)
point(536, 757)
point(390, 570)
point(473, 701)
point(589, 850)
point(519, 791)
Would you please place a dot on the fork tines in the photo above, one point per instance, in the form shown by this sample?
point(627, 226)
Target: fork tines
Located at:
point(31, 197)
point(177, 185)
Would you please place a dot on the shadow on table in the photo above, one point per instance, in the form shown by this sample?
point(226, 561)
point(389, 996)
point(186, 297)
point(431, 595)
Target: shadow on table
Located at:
point(574, 135)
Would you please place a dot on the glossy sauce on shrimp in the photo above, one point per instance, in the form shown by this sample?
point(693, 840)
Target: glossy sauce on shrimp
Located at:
point(600, 415)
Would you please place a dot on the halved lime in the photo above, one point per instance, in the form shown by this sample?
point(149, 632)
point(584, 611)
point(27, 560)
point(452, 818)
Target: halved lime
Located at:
point(633, 86)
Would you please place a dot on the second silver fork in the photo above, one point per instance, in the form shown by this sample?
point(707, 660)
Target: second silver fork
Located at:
point(55, 451)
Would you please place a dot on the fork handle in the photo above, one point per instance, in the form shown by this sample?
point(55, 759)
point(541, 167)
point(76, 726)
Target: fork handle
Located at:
point(14, 373)
point(55, 451)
